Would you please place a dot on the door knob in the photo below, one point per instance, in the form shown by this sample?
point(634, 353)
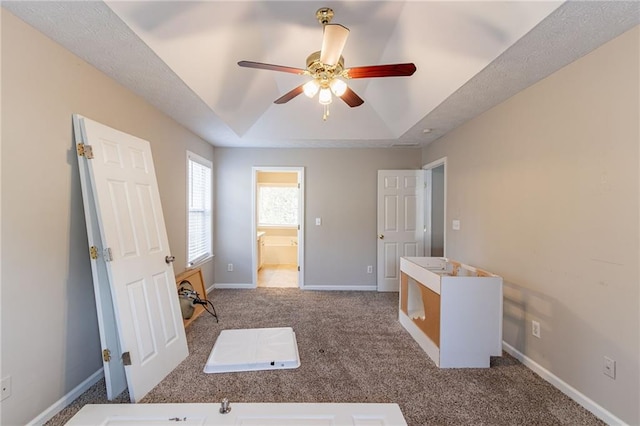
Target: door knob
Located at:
point(169, 259)
point(381, 236)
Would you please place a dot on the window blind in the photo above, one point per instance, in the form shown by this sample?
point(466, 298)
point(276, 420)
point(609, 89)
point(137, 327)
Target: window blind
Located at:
point(199, 209)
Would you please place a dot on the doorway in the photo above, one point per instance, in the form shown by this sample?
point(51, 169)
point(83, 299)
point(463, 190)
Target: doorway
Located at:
point(435, 208)
point(278, 200)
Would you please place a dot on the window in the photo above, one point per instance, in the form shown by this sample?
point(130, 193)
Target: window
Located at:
point(278, 205)
point(199, 218)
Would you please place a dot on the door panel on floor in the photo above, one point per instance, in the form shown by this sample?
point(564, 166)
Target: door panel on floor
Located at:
point(264, 414)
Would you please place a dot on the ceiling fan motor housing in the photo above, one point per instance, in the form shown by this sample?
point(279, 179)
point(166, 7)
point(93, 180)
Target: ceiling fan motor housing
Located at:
point(323, 72)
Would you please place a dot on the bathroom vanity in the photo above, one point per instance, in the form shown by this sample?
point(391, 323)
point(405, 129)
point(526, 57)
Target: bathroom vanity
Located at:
point(453, 311)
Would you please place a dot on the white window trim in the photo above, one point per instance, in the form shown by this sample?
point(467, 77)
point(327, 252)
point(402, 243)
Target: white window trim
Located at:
point(208, 256)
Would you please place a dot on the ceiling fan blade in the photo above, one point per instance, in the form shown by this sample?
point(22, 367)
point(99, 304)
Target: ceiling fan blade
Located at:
point(351, 98)
point(289, 95)
point(260, 65)
point(333, 41)
point(391, 70)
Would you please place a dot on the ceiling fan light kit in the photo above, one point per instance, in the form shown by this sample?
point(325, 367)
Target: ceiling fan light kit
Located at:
point(326, 68)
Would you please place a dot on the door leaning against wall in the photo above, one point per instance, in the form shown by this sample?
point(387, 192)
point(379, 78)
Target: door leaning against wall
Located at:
point(129, 241)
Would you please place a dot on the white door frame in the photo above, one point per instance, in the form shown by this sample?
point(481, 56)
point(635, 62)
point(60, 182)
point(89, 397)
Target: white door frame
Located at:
point(427, 204)
point(254, 220)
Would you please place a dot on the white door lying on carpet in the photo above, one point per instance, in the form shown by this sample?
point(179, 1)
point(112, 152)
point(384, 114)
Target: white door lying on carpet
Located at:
point(400, 222)
point(271, 414)
point(136, 253)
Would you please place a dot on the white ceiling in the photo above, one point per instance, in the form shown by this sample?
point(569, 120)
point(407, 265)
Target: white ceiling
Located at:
point(182, 57)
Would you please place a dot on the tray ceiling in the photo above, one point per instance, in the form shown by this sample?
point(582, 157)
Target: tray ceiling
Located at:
point(182, 57)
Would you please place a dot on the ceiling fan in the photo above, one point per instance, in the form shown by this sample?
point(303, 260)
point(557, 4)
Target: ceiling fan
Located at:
point(326, 67)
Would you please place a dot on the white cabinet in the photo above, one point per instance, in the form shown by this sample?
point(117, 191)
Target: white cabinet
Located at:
point(453, 311)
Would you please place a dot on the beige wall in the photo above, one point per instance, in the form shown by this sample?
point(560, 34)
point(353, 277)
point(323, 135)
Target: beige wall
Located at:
point(50, 340)
point(546, 188)
point(340, 188)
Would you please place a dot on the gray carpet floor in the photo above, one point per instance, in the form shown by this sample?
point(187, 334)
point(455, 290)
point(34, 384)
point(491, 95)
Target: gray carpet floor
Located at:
point(352, 349)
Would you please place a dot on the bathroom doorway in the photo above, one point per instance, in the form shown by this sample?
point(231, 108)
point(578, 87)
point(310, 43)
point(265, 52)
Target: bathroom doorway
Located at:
point(278, 200)
point(435, 208)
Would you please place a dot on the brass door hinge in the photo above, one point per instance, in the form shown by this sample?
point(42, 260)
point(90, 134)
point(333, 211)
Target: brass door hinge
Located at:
point(85, 151)
point(93, 252)
point(106, 355)
point(126, 358)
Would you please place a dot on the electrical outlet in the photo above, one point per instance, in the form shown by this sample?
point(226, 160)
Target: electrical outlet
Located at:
point(609, 368)
point(5, 385)
point(369, 269)
point(230, 267)
point(535, 328)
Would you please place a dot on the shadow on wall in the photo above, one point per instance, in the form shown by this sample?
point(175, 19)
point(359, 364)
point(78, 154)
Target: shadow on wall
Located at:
point(557, 324)
point(83, 355)
point(521, 306)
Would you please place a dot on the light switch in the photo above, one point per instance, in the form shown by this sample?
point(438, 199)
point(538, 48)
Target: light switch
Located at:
point(318, 221)
point(455, 224)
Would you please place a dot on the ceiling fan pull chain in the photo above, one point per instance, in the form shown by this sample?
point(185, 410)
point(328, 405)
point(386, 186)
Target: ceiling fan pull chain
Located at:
point(326, 113)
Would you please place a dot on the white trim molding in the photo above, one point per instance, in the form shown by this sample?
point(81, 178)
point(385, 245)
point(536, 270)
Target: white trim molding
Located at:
point(244, 286)
point(340, 287)
point(67, 399)
point(593, 407)
point(249, 286)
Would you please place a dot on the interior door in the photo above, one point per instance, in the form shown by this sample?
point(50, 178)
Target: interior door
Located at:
point(400, 222)
point(136, 253)
point(267, 414)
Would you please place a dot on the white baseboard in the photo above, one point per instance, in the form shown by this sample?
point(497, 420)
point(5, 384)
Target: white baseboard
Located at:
point(596, 409)
point(340, 287)
point(220, 286)
point(233, 285)
point(60, 404)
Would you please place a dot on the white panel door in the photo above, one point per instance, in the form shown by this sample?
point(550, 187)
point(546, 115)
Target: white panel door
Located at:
point(270, 414)
point(135, 246)
point(400, 222)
